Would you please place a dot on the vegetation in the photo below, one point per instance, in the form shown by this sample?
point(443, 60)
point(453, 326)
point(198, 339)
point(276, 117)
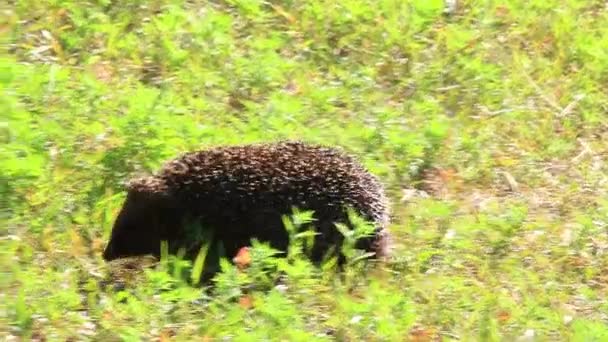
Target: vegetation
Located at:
point(487, 122)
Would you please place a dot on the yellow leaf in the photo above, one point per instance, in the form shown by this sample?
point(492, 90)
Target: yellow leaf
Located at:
point(290, 18)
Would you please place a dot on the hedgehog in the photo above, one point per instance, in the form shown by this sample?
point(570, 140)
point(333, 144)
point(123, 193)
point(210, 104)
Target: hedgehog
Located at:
point(242, 192)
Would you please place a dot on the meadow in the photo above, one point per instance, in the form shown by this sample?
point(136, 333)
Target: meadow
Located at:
point(487, 122)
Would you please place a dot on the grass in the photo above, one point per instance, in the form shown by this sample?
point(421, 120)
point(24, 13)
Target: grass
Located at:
point(488, 125)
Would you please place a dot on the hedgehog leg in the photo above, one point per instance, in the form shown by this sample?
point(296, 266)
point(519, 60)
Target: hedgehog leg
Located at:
point(265, 226)
point(268, 227)
point(368, 243)
point(328, 237)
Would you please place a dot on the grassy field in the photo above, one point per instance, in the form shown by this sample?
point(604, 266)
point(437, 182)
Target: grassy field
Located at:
point(487, 122)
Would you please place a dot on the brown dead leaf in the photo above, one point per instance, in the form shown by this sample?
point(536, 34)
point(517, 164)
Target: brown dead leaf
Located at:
point(242, 258)
point(246, 302)
point(235, 102)
point(503, 316)
point(292, 88)
point(166, 335)
point(447, 174)
point(502, 11)
point(577, 261)
point(440, 181)
point(103, 72)
point(422, 334)
point(107, 315)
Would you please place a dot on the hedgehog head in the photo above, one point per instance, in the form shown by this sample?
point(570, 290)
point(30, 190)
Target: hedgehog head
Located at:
point(138, 228)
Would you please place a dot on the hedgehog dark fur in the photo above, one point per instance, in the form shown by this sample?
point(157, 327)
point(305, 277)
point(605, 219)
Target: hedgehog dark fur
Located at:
point(240, 192)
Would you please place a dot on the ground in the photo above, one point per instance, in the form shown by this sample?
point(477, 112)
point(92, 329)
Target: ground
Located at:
point(487, 123)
